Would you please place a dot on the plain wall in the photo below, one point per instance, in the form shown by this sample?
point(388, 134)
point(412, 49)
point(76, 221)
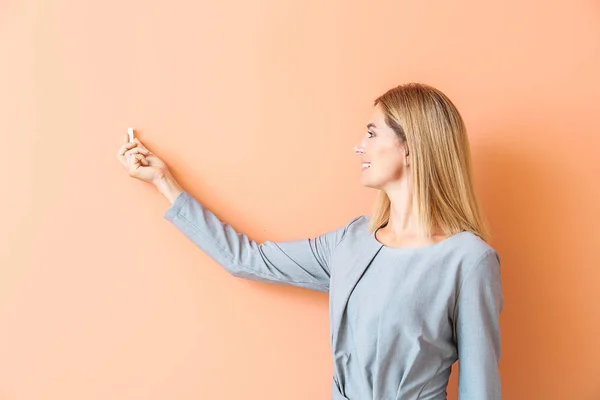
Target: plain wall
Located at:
point(256, 107)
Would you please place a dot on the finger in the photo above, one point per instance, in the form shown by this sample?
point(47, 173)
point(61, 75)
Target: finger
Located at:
point(141, 161)
point(123, 149)
point(135, 150)
point(138, 158)
point(135, 162)
point(126, 147)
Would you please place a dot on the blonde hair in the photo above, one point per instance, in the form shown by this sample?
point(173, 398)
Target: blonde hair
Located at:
point(440, 161)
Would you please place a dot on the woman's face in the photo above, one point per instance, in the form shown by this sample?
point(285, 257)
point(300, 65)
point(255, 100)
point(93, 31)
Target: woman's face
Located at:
point(383, 154)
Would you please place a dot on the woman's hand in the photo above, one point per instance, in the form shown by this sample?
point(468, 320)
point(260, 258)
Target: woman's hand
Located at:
point(146, 166)
point(140, 162)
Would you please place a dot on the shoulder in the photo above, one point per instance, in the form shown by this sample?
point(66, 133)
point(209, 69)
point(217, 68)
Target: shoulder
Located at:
point(353, 230)
point(476, 258)
point(357, 227)
point(471, 248)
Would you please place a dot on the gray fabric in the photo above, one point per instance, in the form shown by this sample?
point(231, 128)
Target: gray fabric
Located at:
point(399, 318)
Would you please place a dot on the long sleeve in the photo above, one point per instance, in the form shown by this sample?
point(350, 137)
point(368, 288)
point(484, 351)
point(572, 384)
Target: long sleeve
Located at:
point(303, 263)
point(478, 308)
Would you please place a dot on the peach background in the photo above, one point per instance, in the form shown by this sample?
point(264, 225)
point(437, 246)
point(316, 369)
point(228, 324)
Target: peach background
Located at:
point(256, 106)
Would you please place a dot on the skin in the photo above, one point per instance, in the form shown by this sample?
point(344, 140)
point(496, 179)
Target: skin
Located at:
point(144, 165)
point(389, 171)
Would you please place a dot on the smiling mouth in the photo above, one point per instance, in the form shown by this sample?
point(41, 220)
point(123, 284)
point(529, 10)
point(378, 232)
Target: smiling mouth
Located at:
point(366, 165)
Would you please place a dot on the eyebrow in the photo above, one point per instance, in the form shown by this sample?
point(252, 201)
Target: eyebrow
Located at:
point(371, 125)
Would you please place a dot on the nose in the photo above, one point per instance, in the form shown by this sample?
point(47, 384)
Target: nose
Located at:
point(359, 150)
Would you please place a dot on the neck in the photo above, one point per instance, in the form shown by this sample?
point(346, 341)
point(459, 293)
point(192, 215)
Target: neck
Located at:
point(403, 220)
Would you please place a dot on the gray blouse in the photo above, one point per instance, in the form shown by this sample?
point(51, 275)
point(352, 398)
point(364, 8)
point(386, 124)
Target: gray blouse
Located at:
point(399, 317)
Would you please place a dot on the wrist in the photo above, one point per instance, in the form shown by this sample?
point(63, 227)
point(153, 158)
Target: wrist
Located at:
point(168, 186)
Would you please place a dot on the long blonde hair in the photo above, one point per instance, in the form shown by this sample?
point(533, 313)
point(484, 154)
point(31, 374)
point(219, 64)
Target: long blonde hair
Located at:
point(440, 161)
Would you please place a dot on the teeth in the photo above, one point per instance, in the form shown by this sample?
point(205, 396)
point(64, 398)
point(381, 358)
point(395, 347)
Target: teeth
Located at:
point(366, 165)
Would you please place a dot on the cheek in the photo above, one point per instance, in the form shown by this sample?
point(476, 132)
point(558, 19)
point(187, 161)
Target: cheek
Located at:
point(386, 156)
point(389, 159)
point(376, 151)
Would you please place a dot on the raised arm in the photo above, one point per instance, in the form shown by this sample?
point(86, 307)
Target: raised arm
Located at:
point(303, 263)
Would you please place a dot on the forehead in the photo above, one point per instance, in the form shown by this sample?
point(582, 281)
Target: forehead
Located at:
point(377, 119)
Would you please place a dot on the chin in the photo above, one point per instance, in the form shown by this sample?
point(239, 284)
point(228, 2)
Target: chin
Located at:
point(367, 184)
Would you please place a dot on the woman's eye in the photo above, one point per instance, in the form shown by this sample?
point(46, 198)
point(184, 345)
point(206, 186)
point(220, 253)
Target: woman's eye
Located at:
point(370, 133)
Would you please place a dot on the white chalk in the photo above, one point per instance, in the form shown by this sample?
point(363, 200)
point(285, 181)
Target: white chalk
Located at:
point(130, 133)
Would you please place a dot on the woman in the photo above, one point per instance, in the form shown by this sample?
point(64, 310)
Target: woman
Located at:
point(414, 287)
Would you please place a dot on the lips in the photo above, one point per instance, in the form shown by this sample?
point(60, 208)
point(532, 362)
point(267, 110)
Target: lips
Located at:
point(366, 165)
